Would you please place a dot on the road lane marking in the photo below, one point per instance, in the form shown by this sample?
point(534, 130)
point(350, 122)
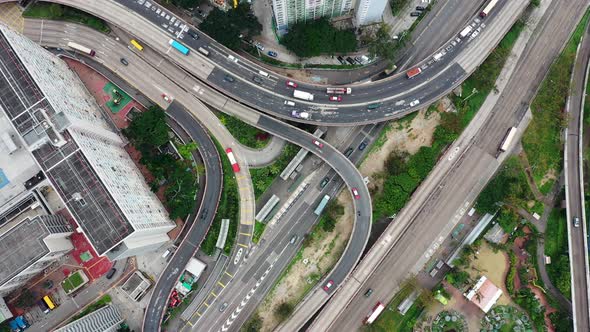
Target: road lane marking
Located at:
point(245, 234)
point(220, 284)
point(242, 245)
point(213, 293)
point(231, 276)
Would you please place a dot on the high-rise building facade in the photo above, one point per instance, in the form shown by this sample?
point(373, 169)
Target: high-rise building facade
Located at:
point(369, 11)
point(83, 157)
point(289, 12)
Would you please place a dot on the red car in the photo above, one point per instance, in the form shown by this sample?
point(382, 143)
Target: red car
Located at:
point(335, 98)
point(318, 143)
point(328, 285)
point(291, 84)
point(355, 193)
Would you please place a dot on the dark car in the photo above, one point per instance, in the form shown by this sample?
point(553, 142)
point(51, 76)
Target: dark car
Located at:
point(348, 152)
point(204, 214)
point(193, 34)
point(228, 78)
point(124, 61)
point(324, 182)
point(223, 306)
point(111, 273)
point(272, 54)
point(257, 79)
point(363, 145)
point(369, 292)
point(350, 60)
point(415, 14)
point(341, 60)
point(420, 8)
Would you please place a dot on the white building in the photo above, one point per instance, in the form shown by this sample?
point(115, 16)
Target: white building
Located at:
point(369, 11)
point(54, 117)
point(289, 12)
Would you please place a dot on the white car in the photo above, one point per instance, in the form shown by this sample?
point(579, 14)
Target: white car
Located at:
point(414, 103)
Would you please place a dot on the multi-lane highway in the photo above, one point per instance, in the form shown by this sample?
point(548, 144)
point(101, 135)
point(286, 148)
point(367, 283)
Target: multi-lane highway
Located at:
point(450, 189)
point(391, 97)
point(577, 231)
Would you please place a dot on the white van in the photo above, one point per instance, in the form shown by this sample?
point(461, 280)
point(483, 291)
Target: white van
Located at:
point(263, 73)
point(232, 58)
point(289, 103)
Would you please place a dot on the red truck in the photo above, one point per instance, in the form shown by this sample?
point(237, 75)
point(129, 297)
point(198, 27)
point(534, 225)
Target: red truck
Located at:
point(413, 72)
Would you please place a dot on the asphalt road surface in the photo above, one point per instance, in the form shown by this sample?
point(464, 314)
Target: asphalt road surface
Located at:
point(393, 96)
point(449, 196)
point(577, 235)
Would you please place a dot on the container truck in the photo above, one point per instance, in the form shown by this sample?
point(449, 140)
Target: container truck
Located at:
point(488, 8)
point(81, 48)
point(339, 91)
point(302, 95)
point(377, 310)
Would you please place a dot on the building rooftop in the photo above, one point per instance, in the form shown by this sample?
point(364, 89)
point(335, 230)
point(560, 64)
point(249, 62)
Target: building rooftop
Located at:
point(136, 286)
point(105, 319)
point(484, 294)
point(23, 244)
point(27, 85)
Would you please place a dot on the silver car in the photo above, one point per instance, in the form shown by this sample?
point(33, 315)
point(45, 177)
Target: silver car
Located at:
point(576, 222)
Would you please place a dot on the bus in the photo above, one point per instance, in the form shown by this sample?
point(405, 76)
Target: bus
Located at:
point(48, 301)
point(179, 47)
point(377, 310)
point(339, 91)
point(322, 205)
point(136, 44)
point(203, 51)
point(81, 48)
point(488, 8)
point(232, 160)
point(507, 139)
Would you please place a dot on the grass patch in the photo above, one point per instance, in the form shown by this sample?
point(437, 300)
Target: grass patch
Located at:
point(258, 230)
point(263, 177)
point(50, 11)
point(483, 80)
point(509, 186)
point(556, 247)
point(103, 301)
point(229, 205)
point(72, 282)
point(542, 139)
point(245, 134)
point(403, 172)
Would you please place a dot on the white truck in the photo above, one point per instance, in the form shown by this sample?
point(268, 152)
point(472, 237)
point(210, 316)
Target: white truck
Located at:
point(301, 115)
point(465, 32)
point(302, 95)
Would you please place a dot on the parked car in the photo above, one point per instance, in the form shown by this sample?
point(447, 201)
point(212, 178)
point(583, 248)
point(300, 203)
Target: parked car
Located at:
point(259, 46)
point(272, 54)
point(350, 60)
point(193, 34)
point(341, 60)
point(328, 285)
point(111, 273)
point(415, 14)
point(228, 78)
point(420, 8)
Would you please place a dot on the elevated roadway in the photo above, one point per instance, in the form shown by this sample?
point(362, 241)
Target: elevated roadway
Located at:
point(453, 185)
point(184, 89)
point(394, 95)
point(574, 184)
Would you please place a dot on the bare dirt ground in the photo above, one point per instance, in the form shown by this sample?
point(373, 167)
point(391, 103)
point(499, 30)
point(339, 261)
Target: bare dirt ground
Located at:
point(323, 252)
point(401, 136)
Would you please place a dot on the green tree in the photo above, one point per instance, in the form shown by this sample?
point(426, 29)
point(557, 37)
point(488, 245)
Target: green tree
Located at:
point(186, 150)
point(226, 27)
point(25, 299)
point(56, 10)
point(283, 311)
point(148, 129)
point(307, 39)
point(381, 45)
point(181, 191)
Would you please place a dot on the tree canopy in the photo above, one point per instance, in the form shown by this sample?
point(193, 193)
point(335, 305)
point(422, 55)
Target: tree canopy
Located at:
point(148, 129)
point(307, 39)
point(226, 27)
point(382, 45)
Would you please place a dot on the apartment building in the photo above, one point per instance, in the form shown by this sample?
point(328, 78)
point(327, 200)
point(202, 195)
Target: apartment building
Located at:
point(57, 123)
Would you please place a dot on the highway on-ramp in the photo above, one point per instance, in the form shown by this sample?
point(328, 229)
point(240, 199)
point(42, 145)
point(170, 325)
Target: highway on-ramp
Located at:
point(578, 246)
